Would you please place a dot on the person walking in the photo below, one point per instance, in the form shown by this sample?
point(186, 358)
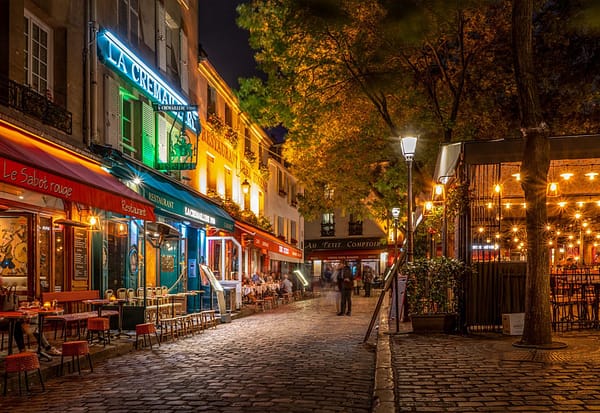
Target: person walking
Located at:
point(347, 285)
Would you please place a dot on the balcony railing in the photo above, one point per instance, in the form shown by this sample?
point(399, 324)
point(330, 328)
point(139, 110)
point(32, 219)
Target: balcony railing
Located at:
point(30, 102)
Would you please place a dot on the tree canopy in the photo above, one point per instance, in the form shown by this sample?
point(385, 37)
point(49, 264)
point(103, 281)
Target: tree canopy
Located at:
point(346, 78)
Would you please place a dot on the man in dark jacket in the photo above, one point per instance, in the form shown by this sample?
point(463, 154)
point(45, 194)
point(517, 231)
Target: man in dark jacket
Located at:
point(346, 289)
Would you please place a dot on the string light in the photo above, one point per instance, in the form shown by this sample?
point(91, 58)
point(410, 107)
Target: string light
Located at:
point(566, 175)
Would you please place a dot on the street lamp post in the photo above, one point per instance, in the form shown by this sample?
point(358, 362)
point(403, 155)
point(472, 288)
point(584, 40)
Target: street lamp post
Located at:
point(396, 215)
point(409, 144)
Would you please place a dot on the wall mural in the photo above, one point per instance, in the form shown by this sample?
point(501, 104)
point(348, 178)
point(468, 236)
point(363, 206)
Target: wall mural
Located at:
point(13, 246)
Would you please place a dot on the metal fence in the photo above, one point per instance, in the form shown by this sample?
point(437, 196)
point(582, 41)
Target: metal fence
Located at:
point(494, 288)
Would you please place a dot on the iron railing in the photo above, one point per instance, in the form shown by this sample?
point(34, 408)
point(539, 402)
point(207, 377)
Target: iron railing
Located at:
point(30, 102)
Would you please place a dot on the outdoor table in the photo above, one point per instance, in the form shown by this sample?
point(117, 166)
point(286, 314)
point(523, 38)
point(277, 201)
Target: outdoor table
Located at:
point(12, 317)
point(100, 302)
point(120, 302)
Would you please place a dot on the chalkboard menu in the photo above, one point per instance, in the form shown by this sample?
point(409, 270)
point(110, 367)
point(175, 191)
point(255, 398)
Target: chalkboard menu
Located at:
point(80, 257)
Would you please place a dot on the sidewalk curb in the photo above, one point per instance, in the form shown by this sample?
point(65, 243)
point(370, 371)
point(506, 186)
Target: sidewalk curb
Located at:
point(383, 389)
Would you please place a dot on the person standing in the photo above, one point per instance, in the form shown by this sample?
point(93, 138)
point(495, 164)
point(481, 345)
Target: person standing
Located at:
point(367, 280)
point(286, 285)
point(346, 289)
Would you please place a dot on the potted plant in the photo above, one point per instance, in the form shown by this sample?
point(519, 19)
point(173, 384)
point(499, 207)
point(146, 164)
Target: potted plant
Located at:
point(433, 287)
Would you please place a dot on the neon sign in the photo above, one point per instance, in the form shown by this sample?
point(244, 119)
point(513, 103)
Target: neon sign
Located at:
point(120, 58)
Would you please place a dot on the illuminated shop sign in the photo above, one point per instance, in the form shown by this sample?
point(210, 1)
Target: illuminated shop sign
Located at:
point(170, 204)
point(120, 58)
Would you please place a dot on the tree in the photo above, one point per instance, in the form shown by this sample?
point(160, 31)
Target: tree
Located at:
point(343, 76)
point(536, 157)
point(534, 172)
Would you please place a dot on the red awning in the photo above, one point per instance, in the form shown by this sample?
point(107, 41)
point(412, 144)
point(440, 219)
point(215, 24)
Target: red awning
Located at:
point(271, 243)
point(29, 162)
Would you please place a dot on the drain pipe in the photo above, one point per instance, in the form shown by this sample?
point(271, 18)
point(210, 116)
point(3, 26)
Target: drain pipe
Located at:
point(91, 75)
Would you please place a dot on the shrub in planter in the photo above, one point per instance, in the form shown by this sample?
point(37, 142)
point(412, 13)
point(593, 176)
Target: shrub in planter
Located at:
point(433, 287)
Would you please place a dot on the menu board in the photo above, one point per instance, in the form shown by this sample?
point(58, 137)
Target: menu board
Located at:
point(80, 257)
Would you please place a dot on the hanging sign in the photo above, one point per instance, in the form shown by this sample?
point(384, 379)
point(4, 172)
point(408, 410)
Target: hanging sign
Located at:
point(114, 53)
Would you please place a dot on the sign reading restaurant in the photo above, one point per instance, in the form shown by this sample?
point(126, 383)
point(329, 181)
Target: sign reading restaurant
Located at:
point(169, 204)
point(345, 244)
point(124, 61)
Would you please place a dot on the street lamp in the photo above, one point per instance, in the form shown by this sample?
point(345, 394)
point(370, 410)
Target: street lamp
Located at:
point(409, 145)
point(245, 186)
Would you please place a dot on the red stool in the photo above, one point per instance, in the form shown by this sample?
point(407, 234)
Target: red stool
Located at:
point(145, 330)
point(101, 326)
point(75, 349)
point(22, 362)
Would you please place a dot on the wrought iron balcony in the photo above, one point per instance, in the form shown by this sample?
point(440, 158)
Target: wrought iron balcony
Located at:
point(30, 102)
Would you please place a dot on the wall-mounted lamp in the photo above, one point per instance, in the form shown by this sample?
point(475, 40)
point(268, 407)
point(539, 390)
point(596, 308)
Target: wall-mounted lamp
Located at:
point(245, 186)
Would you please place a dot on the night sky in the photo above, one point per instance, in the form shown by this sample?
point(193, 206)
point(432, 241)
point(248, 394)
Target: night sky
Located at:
point(225, 43)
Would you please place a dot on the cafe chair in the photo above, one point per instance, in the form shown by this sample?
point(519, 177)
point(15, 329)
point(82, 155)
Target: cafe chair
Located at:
point(144, 331)
point(22, 362)
point(121, 293)
point(101, 327)
point(108, 293)
point(130, 294)
point(75, 349)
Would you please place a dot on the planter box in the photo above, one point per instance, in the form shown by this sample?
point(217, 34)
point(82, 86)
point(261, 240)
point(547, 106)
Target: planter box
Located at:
point(512, 323)
point(434, 323)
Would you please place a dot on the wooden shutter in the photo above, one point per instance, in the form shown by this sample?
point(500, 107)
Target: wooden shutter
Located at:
point(183, 67)
point(161, 43)
point(163, 144)
point(148, 136)
point(112, 113)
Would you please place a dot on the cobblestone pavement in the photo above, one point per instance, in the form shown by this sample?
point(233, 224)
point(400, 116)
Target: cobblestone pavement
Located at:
point(485, 373)
point(299, 357)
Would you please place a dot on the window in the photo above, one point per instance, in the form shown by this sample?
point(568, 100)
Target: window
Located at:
point(211, 101)
point(281, 182)
point(127, 126)
point(328, 225)
point(280, 226)
point(247, 141)
point(211, 176)
point(228, 116)
point(328, 193)
point(228, 183)
point(38, 55)
point(293, 194)
point(129, 20)
point(293, 232)
point(173, 47)
point(355, 226)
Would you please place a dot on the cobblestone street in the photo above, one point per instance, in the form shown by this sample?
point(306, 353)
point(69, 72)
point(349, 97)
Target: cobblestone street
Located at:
point(299, 357)
point(485, 373)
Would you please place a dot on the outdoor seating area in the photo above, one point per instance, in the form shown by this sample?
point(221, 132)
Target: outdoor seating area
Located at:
point(80, 335)
point(75, 316)
point(575, 299)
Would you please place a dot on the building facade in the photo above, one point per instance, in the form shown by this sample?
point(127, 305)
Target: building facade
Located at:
point(336, 238)
point(122, 151)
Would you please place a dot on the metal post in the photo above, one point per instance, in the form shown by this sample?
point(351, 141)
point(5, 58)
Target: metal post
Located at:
point(444, 232)
point(409, 221)
point(397, 277)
